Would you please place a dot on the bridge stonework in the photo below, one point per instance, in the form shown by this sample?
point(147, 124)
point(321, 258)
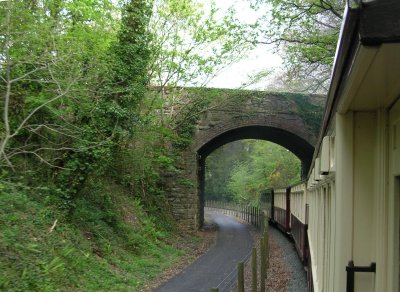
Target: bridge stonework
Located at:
point(291, 120)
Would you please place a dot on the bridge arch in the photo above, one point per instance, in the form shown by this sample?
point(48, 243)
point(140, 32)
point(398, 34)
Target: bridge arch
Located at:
point(289, 119)
point(294, 143)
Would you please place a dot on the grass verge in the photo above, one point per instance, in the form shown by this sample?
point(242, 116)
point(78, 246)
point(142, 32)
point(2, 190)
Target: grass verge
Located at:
point(109, 243)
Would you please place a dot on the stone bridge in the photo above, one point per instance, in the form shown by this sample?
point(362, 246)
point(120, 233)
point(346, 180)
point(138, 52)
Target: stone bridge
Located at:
point(291, 120)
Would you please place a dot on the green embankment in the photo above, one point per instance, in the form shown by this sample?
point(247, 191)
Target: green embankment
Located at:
point(108, 243)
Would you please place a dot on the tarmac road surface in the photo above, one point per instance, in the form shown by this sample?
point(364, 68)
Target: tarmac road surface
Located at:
point(217, 267)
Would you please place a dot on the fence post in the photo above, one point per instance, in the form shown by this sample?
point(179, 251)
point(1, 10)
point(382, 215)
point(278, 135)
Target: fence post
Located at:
point(249, 208)
point(254, 216)
point(265, 224)
point(263, 267)
point(262, 221)
point(258, 217)
point(266, 240)
point(240, 269)
point(254, 270)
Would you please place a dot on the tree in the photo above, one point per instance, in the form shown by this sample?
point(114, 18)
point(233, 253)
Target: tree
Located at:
point(192, 42)
point(131, 55)
point(219, 167)
point(268, 166)
point(306, 31)
point(52, 54)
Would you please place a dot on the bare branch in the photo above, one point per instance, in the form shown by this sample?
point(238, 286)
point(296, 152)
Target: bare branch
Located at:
point(26, 74)
point(44, 160)
point(7, 94)
point(21, 125)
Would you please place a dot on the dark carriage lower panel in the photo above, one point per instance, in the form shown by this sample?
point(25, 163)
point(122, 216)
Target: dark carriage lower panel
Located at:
point(280, 219)
point(299, 233)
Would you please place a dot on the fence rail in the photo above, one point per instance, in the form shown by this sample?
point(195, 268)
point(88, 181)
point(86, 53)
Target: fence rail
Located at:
point(256, 216)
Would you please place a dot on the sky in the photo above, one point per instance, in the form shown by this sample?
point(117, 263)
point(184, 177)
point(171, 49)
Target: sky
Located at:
point(261, 58)
point(236, 74)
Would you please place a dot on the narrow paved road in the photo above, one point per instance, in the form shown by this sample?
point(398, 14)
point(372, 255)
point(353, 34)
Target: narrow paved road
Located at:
point(216, 268)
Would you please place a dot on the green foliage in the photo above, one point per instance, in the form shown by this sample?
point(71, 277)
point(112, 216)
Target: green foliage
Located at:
point(132, 54)
point(187, 119)
point(78, 147)
point(55, 62)
point(192, 42)
point(306, 32)
point(109, 244)
point(309, 112)
point(219, 167)
point(251, 167)
point(76, 102)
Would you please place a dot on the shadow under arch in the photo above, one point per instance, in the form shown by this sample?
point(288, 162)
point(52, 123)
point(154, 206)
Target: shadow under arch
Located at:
point(297, 145)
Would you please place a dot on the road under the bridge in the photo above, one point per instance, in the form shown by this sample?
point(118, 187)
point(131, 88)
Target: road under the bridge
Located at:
point(216, 268)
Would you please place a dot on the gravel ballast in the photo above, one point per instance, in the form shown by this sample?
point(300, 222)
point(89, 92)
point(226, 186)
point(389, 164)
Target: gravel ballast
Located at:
point(297, 275)
point(285, 271)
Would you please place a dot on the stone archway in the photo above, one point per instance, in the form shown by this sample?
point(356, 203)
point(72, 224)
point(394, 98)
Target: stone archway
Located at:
point(297, 145)
point(290, 120)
